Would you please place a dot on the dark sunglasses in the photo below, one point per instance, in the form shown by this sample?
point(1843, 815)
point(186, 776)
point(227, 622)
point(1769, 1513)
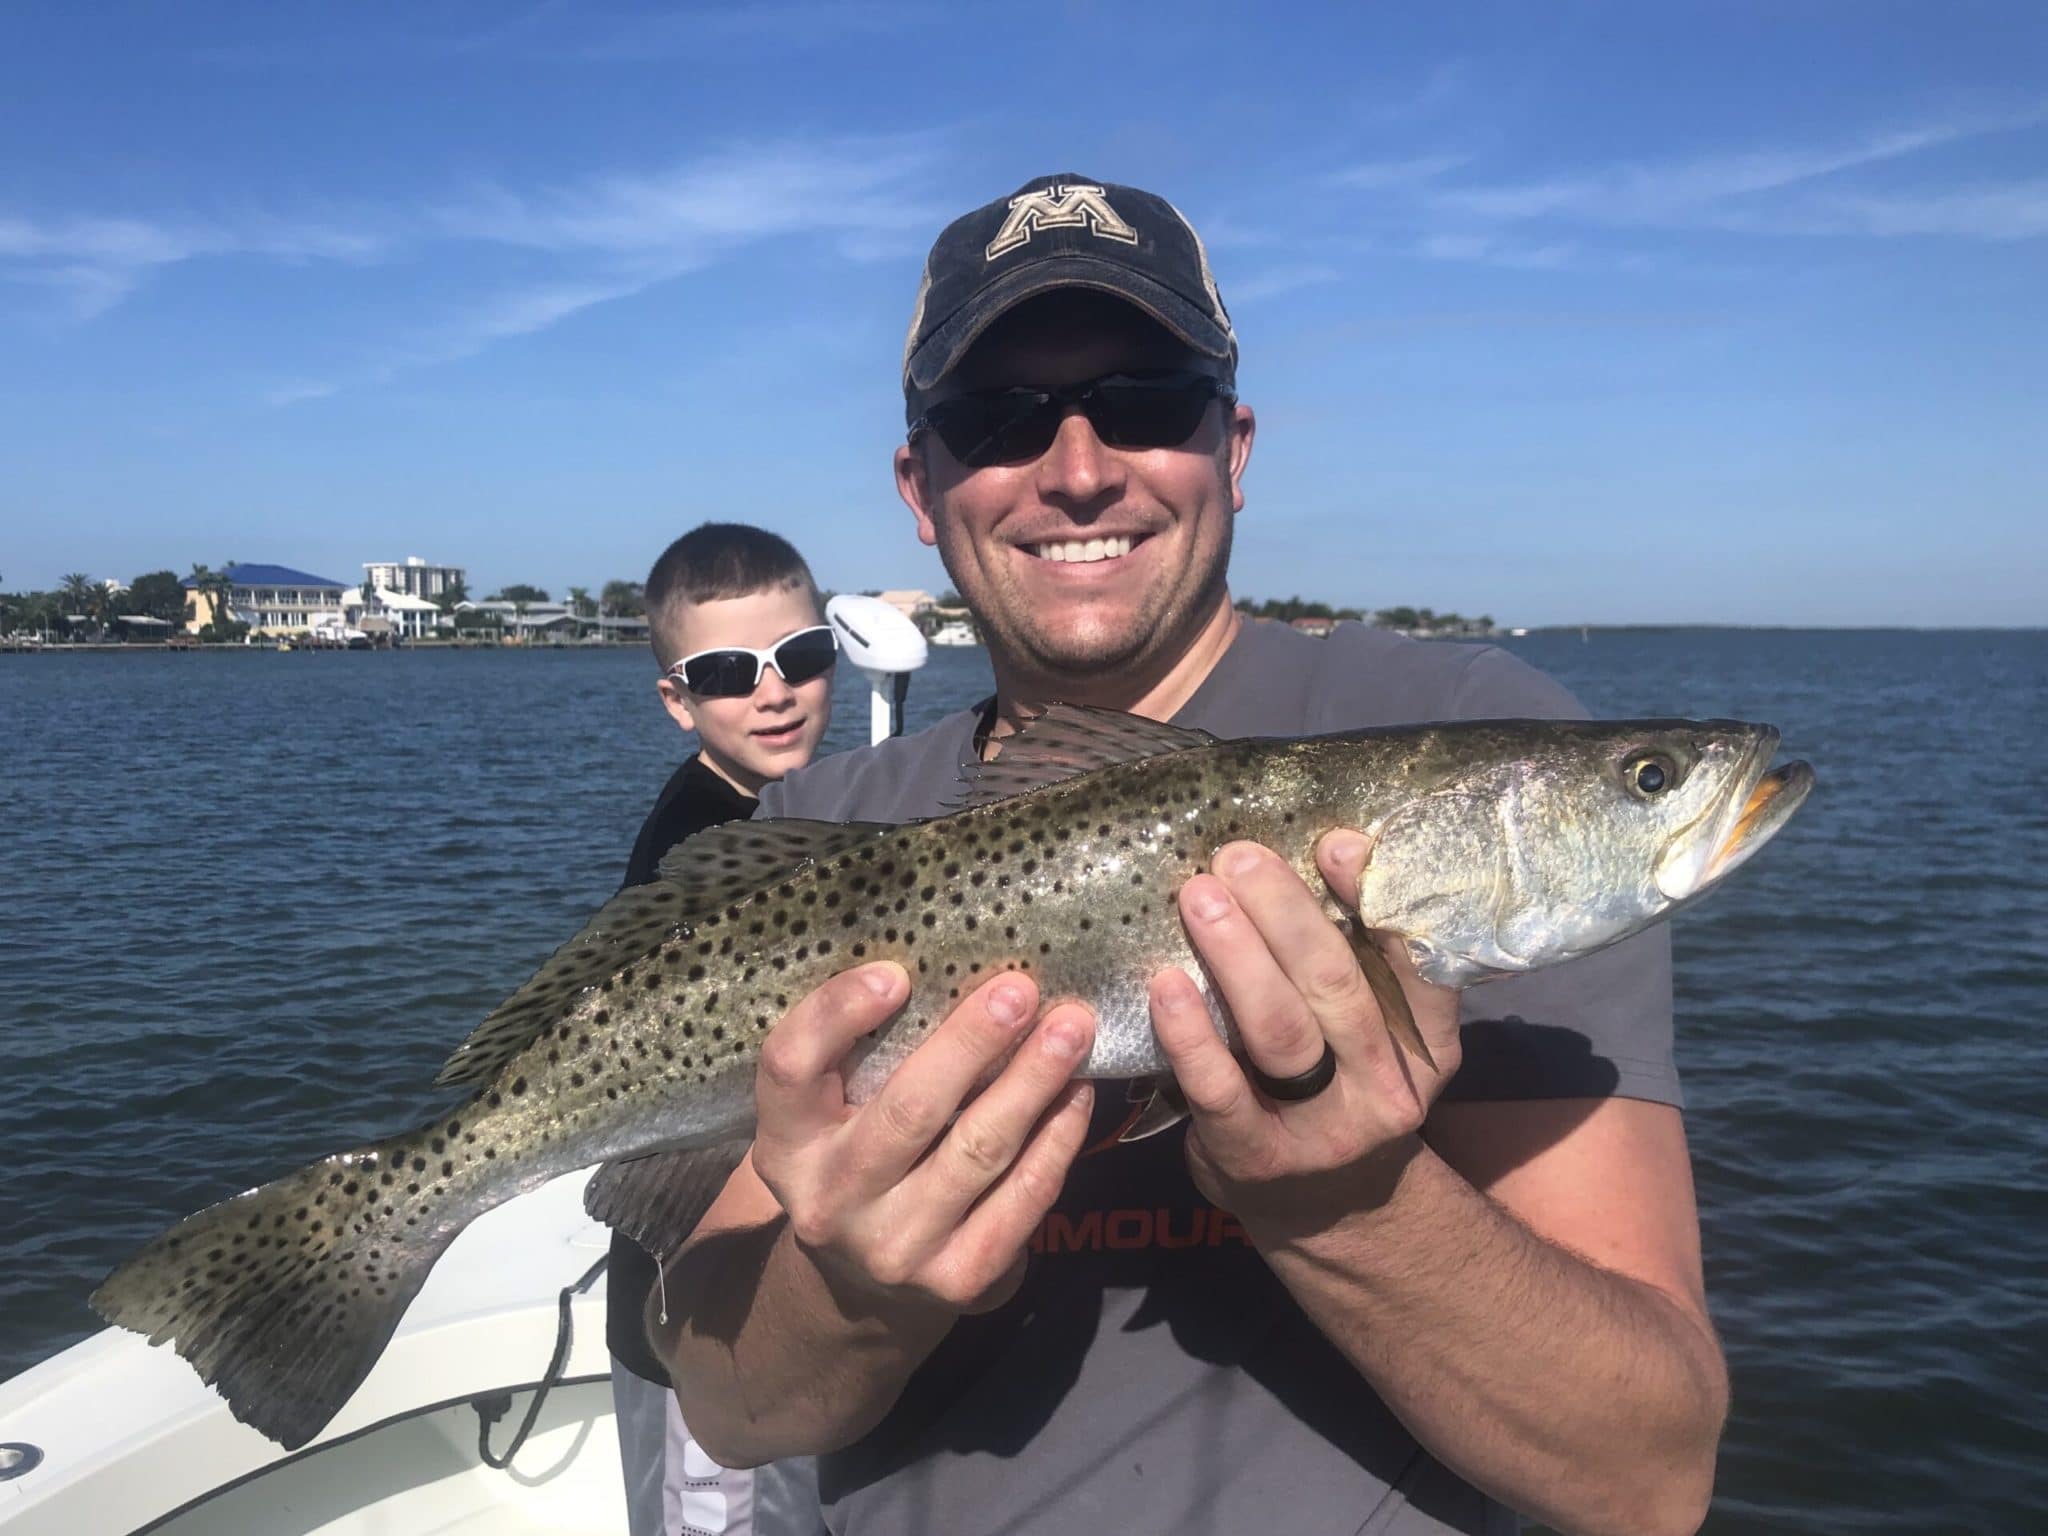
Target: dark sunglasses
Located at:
point(1127, 410)
point(733, 671)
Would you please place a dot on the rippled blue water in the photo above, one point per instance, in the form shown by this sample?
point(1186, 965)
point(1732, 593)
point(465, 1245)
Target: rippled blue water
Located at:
point(249, 901)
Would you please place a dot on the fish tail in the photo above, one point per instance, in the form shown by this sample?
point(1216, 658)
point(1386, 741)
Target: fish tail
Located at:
point(283, 1297)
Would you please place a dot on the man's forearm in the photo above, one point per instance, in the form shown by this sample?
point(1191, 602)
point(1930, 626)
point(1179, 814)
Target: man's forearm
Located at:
point(1579, 1396)
point(770, 1359)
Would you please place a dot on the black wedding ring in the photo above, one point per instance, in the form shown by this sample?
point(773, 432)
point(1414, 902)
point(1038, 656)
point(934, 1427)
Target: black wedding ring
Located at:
point(1303, 1085)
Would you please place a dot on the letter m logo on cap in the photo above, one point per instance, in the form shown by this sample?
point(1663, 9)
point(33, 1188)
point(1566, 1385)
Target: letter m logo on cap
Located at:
point(1059, 207)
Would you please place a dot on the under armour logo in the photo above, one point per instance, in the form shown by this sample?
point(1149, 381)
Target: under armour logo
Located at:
point(1058, 207)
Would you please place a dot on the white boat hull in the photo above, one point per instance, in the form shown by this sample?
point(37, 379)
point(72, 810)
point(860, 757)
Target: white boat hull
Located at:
point(131, 1440)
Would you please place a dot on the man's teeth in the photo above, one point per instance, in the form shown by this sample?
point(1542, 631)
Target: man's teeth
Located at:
point(1083, 550)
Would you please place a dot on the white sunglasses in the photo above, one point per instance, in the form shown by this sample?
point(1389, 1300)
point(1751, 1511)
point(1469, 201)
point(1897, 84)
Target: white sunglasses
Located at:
point(734, 671)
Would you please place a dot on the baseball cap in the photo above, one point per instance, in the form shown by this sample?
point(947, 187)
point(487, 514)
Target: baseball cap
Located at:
point(1063, 231)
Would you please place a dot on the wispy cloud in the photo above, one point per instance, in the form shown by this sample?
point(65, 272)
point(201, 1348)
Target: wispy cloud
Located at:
point(790, 24)
point(1685, 191)
point(1613, 217)
point(609, 237)
point(2012, 211)
point(1411, 172)
point(559, 33)
point(1781, 190)
point(1275, 281)
point(752, 193)
point(97, 262)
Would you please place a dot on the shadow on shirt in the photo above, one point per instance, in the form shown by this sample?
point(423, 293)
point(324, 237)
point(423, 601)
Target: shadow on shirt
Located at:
point(999, 1379)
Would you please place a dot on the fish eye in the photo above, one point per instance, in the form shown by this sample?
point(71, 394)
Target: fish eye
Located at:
point(1650, 774)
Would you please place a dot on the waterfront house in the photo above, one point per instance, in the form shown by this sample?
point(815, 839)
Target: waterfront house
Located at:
point(409, 616)
point(909, 602)
point(527, 622)
point(271, 600)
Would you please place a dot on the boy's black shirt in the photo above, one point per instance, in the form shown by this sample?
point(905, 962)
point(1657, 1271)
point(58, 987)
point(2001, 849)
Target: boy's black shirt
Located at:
point(694, 798)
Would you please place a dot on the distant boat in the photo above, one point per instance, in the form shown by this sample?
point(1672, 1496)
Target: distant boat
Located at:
point(956, 632)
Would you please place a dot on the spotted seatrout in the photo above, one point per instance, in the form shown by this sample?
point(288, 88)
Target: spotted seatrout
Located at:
point(1498, 847)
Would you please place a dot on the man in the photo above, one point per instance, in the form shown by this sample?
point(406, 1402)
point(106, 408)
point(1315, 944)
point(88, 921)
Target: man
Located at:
point(1403, 1302)
point(746, 665)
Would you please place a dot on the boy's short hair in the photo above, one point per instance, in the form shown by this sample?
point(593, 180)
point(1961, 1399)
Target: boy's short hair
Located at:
point(714, 561)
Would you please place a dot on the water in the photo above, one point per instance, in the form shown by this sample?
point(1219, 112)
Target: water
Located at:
point(249, 901)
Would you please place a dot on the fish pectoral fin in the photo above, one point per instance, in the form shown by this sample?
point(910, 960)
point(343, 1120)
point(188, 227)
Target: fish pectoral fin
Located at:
point(1063, 740)
point(658, 1200)
point(1387, 991)
point(1162, 1112)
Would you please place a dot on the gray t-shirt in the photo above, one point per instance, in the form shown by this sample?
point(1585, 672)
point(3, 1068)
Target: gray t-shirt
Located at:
point(1152, 1376)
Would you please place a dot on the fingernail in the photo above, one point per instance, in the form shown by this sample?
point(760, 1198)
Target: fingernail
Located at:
point(1206, 901)
point(1066, 1037)
point(1081, 1097)
point(1346, 850)
point(1237, 861)
point(884, 980)
point(1007, 1004)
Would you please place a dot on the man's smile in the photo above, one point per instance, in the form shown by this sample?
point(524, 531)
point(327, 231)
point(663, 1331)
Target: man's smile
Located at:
point(1088, 551)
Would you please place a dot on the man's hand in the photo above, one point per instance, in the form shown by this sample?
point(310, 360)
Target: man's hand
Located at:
point(889, 1199)
point(1294, 988)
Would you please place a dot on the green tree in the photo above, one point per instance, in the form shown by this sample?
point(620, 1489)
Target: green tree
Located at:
point(36, 612)
point(451, 596)
point(624, 599)
point(80, 594)
point(580, 603)
point(158, 595)
point(520, 592)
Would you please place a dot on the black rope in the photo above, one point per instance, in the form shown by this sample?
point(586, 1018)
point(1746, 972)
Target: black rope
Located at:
point(491, 1409)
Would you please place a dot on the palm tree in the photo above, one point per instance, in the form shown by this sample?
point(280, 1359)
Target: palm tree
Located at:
point(581, 608)
point(625, 598)
point(217, 586)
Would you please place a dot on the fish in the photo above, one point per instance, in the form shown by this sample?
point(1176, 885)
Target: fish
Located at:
point(1497, 847)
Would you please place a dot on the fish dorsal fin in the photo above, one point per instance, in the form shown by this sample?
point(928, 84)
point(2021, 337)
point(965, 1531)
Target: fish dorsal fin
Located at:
point(1063, 740)
point(700, 874)
point(633, 922)
point(737, 858)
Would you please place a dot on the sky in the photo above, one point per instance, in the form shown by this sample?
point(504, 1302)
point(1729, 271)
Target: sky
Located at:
point(1561, 313)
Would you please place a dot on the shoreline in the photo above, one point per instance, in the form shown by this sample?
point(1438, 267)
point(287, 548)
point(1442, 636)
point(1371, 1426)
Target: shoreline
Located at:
point(158, 648)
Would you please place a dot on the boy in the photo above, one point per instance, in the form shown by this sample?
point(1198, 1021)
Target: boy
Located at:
point(746, 661)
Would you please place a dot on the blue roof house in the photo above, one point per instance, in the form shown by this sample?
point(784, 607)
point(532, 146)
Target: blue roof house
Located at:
point(271, 600)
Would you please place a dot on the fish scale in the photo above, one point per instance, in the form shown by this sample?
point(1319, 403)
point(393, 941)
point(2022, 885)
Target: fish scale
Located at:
point(636, 1045)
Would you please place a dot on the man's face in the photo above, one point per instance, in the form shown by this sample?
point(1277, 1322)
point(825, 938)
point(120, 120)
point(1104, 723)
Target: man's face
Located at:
point(1087, 560)
point(776, 729)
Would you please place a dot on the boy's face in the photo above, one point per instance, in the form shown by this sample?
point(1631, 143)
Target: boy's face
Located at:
point(752, 741)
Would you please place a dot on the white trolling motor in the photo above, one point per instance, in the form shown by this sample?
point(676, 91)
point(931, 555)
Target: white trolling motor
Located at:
point(886, 646)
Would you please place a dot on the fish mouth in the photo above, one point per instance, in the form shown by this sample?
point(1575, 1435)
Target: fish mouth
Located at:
point(1760, 800)
point(1771, 802)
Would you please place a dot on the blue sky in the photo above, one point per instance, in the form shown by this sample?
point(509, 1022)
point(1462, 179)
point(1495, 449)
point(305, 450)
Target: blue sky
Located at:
point(1728, 312)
